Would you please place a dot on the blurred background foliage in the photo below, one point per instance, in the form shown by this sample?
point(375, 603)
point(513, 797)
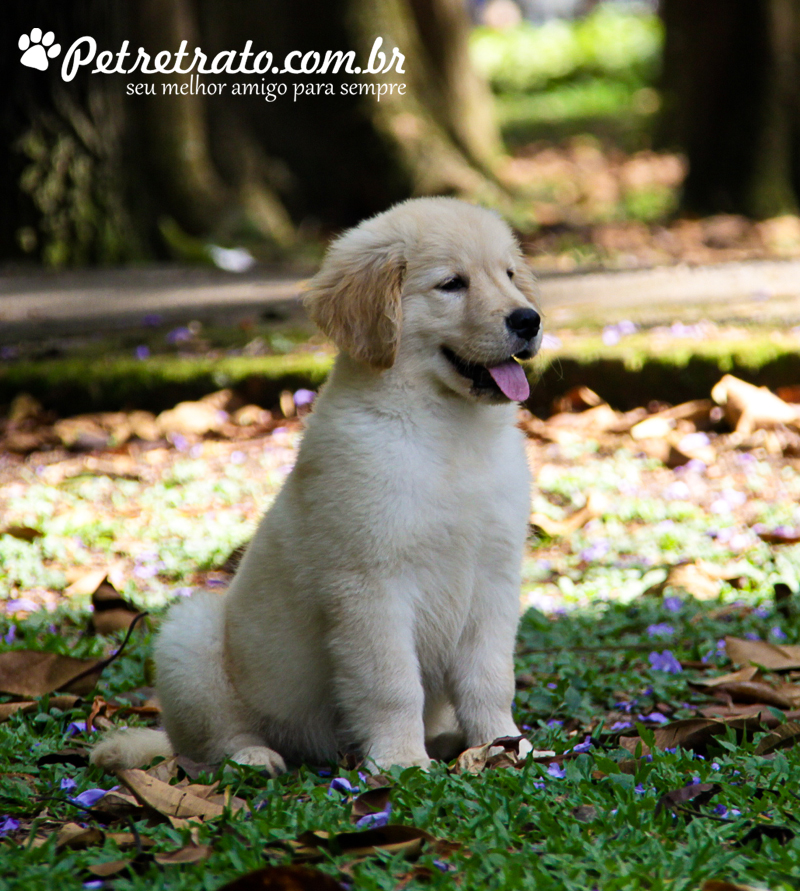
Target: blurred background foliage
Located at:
point(600, 128)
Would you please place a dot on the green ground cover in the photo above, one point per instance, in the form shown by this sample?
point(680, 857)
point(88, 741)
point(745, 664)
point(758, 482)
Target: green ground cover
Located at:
point(611, 647)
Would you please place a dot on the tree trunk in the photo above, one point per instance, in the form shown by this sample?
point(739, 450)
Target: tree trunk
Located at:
point(91, 173)
point(731, 103)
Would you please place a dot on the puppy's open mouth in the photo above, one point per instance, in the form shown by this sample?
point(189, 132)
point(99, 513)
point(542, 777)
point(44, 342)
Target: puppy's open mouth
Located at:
point(506, 378)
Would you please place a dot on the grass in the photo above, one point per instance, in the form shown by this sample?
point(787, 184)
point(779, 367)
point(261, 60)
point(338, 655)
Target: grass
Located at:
point(595, 826)
point(584, 669)
point(638, 368)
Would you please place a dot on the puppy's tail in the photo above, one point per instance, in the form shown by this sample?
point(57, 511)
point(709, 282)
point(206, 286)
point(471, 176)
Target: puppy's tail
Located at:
point(131, 747)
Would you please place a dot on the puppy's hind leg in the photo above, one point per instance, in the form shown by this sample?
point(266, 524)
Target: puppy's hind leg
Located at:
point(202, 712)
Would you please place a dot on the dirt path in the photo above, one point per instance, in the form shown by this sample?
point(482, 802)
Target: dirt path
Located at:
point(47, 304)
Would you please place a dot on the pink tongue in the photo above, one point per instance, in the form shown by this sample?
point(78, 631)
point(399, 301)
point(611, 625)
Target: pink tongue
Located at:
point(511, 379)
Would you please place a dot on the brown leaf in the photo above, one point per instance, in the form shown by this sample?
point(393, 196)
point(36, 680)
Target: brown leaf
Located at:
point(111, 611)
point(393, 839)
point(77, 757)
point(780, 537)
point(596, 505)
point(759, 652)
point(699, 793)
point(576, 399)
point(193, 769)
point(502, 752)
point(724, 885)
point(748, 673)
point(127, 840)
point(190, 853)
point(783, 737)
point(748, 407)
point(82, 433)
point(116, 805)
point(372, 801)
point(284, 878)
point(73, 835)
point(24, 533)
point(758, 692)
point(7, 709)
point(32, 673)
point(87, 583)
point(190, 419)
point(170, 801)
point(109, 867)
point(694, 579)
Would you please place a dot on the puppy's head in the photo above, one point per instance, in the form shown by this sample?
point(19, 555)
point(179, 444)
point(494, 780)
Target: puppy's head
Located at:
point(437, 288)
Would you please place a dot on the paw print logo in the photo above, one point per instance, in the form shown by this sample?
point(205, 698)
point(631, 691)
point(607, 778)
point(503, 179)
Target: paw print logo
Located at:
point(36, 49)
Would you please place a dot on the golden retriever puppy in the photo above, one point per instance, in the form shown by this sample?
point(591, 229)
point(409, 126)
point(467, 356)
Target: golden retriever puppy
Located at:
point(376, 607)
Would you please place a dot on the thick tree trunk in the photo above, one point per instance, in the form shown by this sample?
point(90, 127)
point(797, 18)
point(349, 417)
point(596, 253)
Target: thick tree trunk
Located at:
point(731, 102)
point(237, 168)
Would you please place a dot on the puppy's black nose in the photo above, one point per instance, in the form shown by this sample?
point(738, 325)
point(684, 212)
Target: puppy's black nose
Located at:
point(524, 323)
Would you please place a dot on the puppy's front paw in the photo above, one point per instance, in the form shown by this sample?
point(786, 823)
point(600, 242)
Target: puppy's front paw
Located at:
point(261, 757)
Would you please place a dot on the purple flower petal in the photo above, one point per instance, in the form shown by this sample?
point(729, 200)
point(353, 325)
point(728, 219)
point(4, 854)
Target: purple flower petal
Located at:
point(664, 661)
point(660, 629)
point(375, 821)
point(21, 605)
point(304, 397)
point(179, 335)
point(76, 727)
point(621, 725)
point(778, 633)
point(8, 824)
point(341, 784)
point(142, 352)
point(68, 784)
point(673, 604)
point(11, 635)
point(555, 771)
point(90, 797)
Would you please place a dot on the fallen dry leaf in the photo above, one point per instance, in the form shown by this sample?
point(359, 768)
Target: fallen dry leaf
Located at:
point(781, 738)
point(111, 611)
point(284, 878)
point(654, 427)
point(190, 853)
point(748, 407)
point(373, 801)
point(24, 533)
point(73, 835)
point(31, 673)
point(724, 885)
point(392, 839)
point(170, 801)
point(693, 578)
point(759, 652)
point(748, 673)
point(191, 419)
point(75, 756)
point(697, 793)
point(596, 505)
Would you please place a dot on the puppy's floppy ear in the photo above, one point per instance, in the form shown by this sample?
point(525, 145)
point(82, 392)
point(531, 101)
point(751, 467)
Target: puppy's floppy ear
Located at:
point(355, 297)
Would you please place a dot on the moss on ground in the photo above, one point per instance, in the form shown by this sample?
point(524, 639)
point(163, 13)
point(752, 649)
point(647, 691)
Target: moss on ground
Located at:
point(633, 372)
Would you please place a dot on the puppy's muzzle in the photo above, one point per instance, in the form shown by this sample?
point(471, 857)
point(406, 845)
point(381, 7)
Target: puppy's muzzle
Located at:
point(525, 323)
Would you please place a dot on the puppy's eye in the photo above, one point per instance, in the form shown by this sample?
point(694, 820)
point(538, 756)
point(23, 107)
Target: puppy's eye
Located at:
point(510, 273)
point(456, 283)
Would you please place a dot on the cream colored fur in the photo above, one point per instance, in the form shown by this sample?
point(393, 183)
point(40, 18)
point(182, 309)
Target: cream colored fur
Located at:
point(377, 604)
